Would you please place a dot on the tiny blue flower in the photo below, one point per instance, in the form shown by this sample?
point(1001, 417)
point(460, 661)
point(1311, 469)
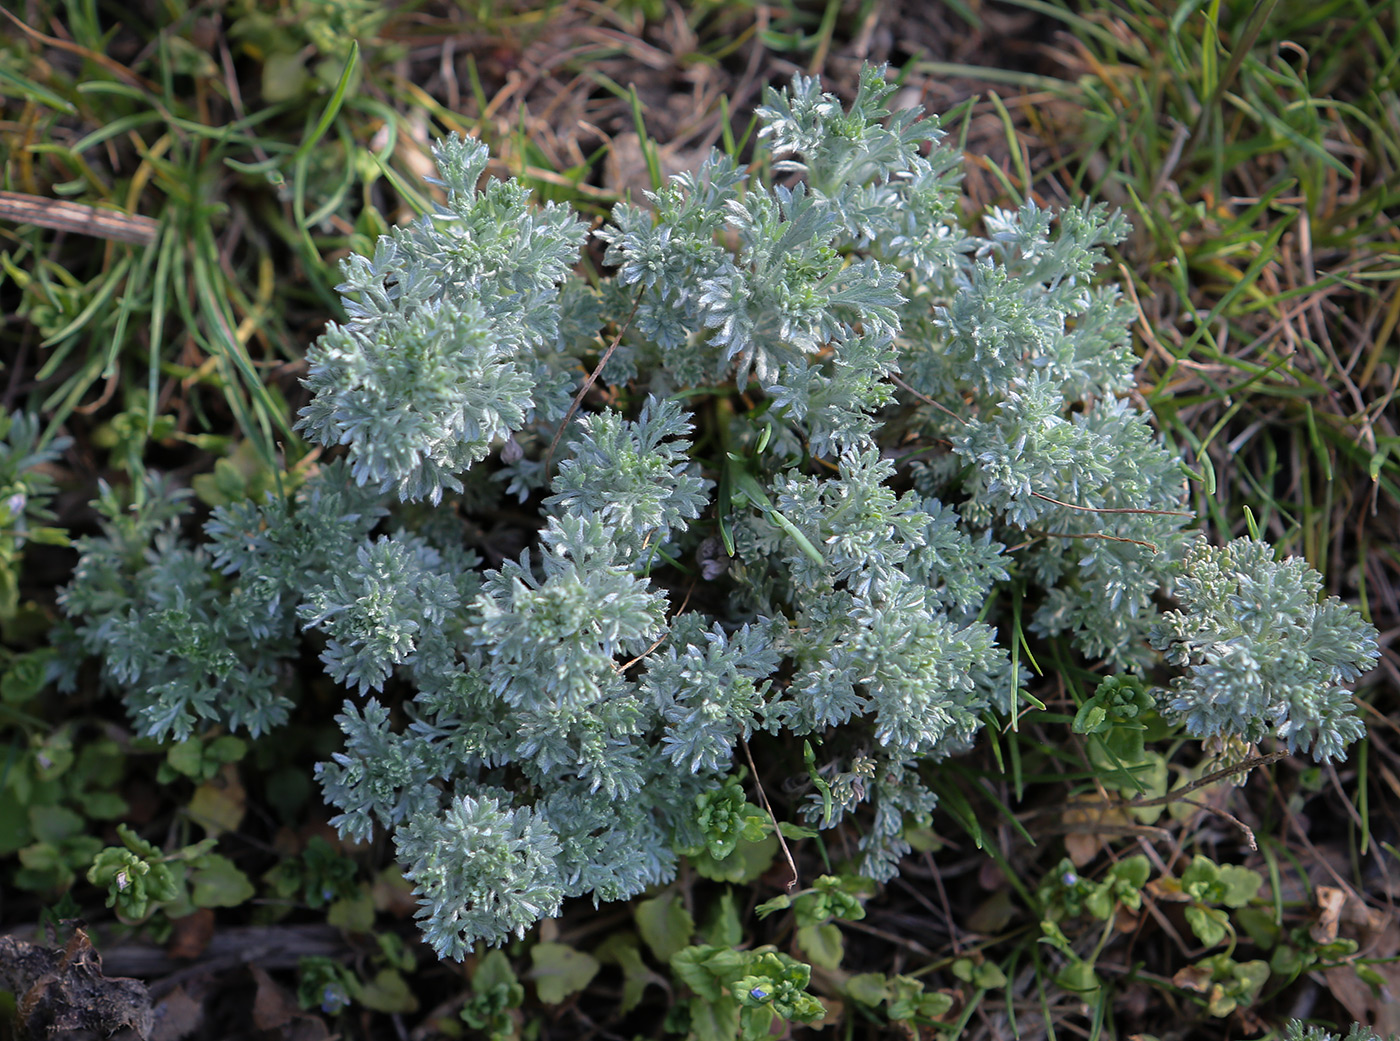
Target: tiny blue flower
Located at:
point(333, 999)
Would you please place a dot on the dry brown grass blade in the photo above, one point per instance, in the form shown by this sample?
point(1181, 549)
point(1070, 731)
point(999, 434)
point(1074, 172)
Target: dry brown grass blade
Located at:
point(62, 215)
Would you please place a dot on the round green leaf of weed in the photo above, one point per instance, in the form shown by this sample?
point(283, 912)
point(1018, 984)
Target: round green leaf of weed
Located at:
point(708, 970)
point(284, 77)
point(1099, 902)
point(1251, 977)
point(1241, 884)
point(218, 883)
point(227, 749)
point(723, 927)
point(756, 1022)
point(822, 944)
point(989, 976)
point(495, 972)
point(103, 806)
point(748, 861)
point(559, 971)
point(868, 988)
point(714, 1020)
point(621, 949)
point(15, 832)
point(1078, 977)
point(186, 756)
point(666, 926)
point(1259, 925)
point(354, 913)
point(1208, 923)
point(1132, 871)
point(55, 823)
point(25, 677)
point(907, 999)
point(1287, 961)
point(387, 992)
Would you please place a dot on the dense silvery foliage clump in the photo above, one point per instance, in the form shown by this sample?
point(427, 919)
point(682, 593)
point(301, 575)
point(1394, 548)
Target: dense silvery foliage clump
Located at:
point(1263, 653)
point(438, 360)
point(206, 635)
point(839, 425)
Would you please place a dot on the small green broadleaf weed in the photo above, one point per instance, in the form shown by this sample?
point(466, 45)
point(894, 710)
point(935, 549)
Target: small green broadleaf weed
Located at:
point(136, 877)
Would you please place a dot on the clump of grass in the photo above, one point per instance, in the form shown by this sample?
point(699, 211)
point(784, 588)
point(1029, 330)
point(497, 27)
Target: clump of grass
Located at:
point(222, 211)
point(1256, 149)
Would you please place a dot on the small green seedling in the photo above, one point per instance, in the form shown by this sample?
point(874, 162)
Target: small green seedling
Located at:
point(1208, 889)
point(743, 994)
point(136, 876)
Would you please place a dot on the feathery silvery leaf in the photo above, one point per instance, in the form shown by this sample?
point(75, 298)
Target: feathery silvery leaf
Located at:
point(633, 476)
point(1262, 654)
point(484, 870)
point(434, 364)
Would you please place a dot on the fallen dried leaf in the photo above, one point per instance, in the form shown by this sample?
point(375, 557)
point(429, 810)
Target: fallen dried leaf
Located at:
point(1330, 901)
point(1083, 819)
point(274, 1009)
point(190, 934)
point(177, 1016)
point(1193, 977)
point(273, 1006)
point(1364, 1004)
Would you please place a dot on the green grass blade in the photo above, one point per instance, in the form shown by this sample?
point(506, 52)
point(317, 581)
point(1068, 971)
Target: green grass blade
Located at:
point(302, 158)
point(24, 87)
point(333, 105)
point(648, 146)
point(94, 306)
